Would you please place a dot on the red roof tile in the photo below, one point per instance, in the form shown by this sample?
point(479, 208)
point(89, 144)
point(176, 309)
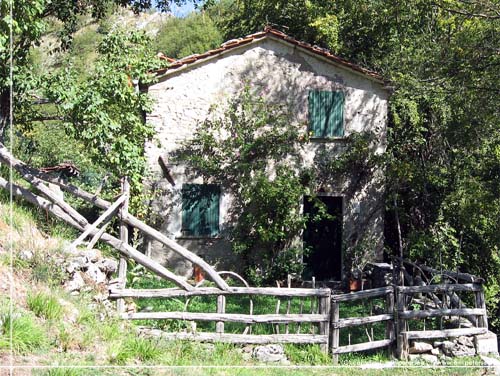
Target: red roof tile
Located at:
point(268, 32)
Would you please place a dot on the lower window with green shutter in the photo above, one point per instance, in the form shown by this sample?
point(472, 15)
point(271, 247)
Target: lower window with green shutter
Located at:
point(326, 113)
point(200, 210)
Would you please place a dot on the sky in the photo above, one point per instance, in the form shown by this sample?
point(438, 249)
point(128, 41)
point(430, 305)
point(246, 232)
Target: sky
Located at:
point(183, 10)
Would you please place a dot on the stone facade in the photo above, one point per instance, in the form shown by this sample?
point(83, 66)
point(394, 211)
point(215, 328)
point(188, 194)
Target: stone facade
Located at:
point(285, 73)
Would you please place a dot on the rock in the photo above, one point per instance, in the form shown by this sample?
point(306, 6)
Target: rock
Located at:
point(108, 266)
point(80, 262)
point(486, 343)
point(26, 255)
point(95, 274)
point(462, 350)
point(492, 363)
point(247, 349)
point(92, 255)
point(435, 352)
point(268, 353)
point(466, 341)
point(72, 267)
point(420, 347)
point(447, 347)
point(75, 283)
point(437, 343)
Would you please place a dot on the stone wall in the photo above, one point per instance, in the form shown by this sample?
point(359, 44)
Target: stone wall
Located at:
point(285, 74)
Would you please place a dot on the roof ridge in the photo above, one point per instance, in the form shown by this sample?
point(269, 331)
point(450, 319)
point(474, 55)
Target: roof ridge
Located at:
point(269, 31)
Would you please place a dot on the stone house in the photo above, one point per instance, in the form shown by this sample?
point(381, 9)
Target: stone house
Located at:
point(334, 97)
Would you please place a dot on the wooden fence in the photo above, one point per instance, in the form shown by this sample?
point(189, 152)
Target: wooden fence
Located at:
point(338, 323)
point(398, 309)
point(319, 315)
point(439, 310)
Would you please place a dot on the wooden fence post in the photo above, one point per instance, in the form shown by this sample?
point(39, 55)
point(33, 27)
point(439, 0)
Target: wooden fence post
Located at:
point(482, 321)
point(122, 266)
point(389, 326)
point(402, 345)
point(324, 327)
point(221, 308)
point(335, 315)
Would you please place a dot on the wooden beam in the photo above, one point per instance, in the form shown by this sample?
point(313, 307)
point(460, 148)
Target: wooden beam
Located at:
point(355, 321)
point(122, 265)
point(127, 250)
point(226, 317)
point(33, 176)
point(363, 346)
point(174, 292)
point(440, 312)
point(465, 277)
point(105, 217)
point(439, 288)
point(427, 334)
point(247, 338)
point(365, 294)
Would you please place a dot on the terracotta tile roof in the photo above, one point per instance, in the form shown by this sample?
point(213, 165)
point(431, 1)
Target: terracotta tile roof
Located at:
point(268, 32)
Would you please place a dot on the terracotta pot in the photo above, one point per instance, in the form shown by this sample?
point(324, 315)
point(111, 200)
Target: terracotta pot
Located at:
point(354, 284)
point(199, 274)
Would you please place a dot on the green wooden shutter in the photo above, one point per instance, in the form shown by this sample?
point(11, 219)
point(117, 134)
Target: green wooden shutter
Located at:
point(200, 209)
point(212, 213)
point(190, 209)
point(336, 124)
point(326, 113)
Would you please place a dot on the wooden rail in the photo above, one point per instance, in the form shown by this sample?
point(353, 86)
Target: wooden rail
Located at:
point(228, 317)
point(203, 291)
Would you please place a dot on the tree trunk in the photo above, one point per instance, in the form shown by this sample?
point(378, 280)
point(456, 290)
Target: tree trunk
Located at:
point(4, 112)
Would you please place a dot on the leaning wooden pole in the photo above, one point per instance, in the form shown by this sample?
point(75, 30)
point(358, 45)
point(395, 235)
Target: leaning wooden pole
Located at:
point(35, 177)
point(122, 265)
point(125, 249)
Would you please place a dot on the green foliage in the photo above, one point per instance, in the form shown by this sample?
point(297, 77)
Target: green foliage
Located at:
point(27, 335)
point(105, 111)
point(252, 150)
point(44, 305)
point(181, 37)
point(307, 354)
point(143, 349)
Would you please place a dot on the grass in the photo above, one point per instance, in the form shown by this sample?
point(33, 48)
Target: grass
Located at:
point(44, 305)
point(27, 335)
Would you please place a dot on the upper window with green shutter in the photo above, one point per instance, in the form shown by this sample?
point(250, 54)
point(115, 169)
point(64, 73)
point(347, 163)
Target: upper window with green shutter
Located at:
point(200, 209)
point(326, 113)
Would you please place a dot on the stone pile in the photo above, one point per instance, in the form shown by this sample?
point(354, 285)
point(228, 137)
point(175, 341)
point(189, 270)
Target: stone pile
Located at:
point(438, 351)
point(87, 269)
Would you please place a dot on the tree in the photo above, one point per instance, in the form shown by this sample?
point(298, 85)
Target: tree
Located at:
point(27, 26)
point(442, 164)
point(181, 37)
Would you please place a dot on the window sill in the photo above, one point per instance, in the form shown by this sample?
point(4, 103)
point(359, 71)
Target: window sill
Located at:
point(342, 139)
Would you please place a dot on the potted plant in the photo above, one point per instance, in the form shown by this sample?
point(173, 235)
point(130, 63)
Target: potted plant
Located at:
point(356, 260)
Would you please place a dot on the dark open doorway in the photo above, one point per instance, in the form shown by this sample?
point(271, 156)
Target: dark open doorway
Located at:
point(323, 238)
